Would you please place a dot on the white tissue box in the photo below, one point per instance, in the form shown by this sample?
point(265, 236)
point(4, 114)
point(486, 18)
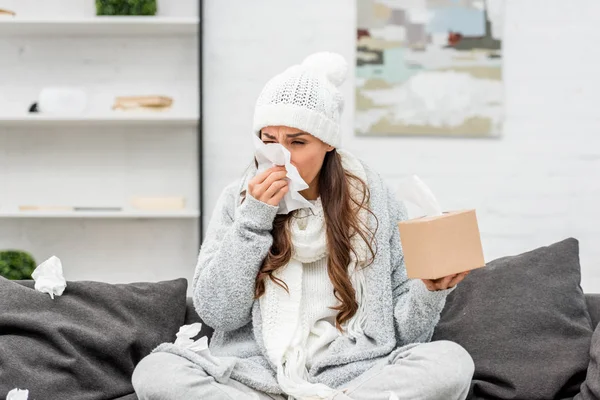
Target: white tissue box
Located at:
point(442, 245)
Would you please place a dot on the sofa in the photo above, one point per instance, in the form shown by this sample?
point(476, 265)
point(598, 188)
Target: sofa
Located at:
point(524, 319)
point(592, 301)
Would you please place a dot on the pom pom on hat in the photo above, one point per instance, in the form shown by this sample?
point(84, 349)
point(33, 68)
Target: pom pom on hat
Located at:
point(332, 65)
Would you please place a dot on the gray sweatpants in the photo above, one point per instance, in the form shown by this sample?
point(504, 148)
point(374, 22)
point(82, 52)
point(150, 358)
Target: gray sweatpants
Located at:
point(437, 370)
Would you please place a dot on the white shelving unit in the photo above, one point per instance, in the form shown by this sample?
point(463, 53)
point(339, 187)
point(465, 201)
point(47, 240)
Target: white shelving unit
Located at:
point(94, 26)
point(113, 120)
point(101, 157)
point(101, 214)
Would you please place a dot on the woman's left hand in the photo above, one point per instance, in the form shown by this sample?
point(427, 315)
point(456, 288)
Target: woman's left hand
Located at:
point(446, 282)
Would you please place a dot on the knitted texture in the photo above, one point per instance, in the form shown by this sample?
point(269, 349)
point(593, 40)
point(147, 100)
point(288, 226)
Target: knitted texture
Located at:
point(308, 234)
point(305, 97)
point(286, 321)
point(316, 308)
point(399, 311)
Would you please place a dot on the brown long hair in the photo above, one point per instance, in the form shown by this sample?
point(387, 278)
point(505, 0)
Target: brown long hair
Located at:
point(342, 225)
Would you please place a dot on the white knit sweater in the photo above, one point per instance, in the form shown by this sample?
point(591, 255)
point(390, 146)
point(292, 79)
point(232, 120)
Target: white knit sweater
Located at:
point(314, 330)
point(317, 319)
point(298, 322)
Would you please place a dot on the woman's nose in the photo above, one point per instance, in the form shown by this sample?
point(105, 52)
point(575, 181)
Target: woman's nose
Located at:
point(286, 146)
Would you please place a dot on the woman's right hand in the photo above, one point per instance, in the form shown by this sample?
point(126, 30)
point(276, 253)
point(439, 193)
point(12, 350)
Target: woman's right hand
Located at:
point(269, 186)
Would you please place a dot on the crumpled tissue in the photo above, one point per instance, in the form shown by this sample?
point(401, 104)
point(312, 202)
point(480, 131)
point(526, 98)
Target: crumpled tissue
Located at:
point(184, 340)
point(49, 277)
point(18, 394)
point(418, 193)
point(269, 155)
point(185, 335)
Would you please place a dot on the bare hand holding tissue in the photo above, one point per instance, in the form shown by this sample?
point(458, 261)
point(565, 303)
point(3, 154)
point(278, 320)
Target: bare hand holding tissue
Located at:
point(269, 186)
point(440, 248)
point(278, 181)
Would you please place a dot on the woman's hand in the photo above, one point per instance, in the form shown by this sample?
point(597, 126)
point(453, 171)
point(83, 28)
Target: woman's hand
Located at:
point(269, 186)
point(446, 282)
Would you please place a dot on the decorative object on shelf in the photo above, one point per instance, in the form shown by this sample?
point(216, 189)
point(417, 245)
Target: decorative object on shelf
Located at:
point(60, 101)
point(45, 208)
point(126, 7)
point(16, 264)
point(5, 12)
point(158, 203)
point(69, 208)
point(155, 103)
point(98, 209)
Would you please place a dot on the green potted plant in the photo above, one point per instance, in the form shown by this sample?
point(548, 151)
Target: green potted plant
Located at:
point(126, 7)
point(16, 265)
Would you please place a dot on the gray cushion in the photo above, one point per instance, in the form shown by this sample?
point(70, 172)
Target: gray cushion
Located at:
point(84, 344)
point(590, 390)
point(524, 320)
point(593, 303)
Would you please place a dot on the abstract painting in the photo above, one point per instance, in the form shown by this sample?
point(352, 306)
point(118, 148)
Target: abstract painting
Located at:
point(429, 68)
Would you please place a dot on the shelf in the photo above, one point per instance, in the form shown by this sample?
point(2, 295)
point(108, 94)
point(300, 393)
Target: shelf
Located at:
point(102, 214)
point(99, 121)
point(113, 26)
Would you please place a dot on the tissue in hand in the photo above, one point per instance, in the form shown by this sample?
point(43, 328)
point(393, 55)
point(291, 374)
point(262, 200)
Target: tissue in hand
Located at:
point(49, 277)
point(269, 155)
point(439, 244)
point(17, 394)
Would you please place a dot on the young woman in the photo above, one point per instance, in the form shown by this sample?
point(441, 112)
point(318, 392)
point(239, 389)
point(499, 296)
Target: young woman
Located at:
point(313, 304)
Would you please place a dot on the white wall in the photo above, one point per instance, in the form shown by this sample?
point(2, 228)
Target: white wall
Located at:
point(538, 184)
point(100, 166)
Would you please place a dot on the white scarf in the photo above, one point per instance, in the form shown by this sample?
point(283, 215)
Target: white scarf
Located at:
point(281, 311)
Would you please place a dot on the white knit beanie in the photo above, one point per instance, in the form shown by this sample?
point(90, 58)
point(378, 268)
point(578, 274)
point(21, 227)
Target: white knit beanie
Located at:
point(305, 97)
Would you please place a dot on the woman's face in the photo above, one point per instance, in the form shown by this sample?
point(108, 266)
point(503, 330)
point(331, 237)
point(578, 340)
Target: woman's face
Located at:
point(307, 151)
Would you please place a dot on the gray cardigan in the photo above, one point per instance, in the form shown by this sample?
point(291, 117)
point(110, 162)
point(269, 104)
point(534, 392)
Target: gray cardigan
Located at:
point(399, 311)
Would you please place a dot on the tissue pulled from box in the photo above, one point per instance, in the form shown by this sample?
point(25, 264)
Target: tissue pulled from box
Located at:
point(18, 394)
point(49, 277)
point(439, 244)
point(270, 155)
point(415, 191)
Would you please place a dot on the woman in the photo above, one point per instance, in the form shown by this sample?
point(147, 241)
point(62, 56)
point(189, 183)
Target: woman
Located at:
point(313, 304)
